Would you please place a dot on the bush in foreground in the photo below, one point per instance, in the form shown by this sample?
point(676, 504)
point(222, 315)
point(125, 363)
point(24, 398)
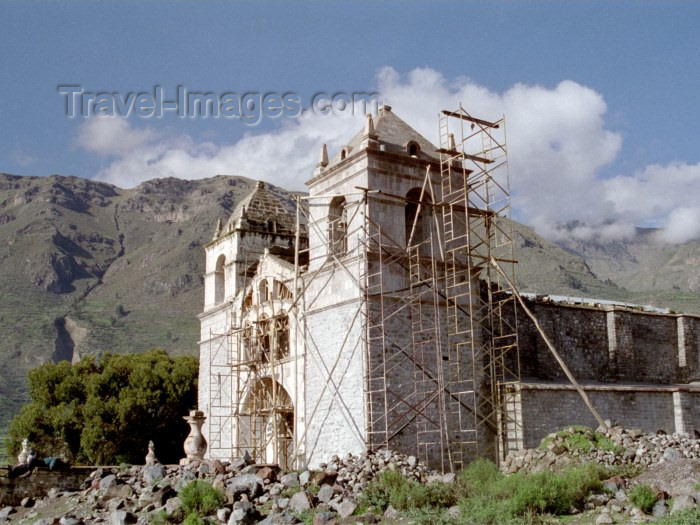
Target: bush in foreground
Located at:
point(485, 495)
point(643, 496)
point(201, 498)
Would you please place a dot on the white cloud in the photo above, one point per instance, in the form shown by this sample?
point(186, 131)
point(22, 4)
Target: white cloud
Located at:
point(110, 135)
point(557, 141)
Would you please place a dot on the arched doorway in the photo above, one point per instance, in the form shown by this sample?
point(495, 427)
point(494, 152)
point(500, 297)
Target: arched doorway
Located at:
point(269, 414)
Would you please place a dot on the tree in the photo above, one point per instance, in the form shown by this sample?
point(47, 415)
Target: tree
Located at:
point(106, 411)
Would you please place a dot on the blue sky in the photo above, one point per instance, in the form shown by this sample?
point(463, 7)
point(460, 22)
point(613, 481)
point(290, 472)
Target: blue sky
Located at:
point(632, 67)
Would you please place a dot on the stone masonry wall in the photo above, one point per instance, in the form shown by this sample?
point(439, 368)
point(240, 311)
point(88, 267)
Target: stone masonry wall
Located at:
point(549, 409)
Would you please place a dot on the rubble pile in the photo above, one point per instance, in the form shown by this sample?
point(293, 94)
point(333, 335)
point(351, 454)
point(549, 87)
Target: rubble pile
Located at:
point(611, 446)
point(254, 493)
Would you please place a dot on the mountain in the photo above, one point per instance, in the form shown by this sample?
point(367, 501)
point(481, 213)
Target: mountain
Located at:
point(654, 272)
point(88, 267)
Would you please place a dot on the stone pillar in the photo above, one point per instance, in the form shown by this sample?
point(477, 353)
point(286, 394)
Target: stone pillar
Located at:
point(680, 325)
point(682, 413)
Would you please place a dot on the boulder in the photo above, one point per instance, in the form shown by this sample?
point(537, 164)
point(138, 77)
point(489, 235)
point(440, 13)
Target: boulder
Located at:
point(122, 517)
point(346, 508)
point(290, 480)
point(250, 484)
point(325, 493)
point(682, 502)
point(299, 502)
point(152, 474)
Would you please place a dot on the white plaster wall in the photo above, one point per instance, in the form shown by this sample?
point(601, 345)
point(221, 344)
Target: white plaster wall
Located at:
point(334, 409)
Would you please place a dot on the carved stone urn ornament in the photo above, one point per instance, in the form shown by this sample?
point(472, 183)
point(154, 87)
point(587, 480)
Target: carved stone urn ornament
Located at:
point(151, 456)
point(23, 457)
point(195, 445)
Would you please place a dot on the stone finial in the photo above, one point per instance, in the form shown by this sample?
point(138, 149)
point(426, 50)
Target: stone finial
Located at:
point(322, 160)
point(151, 456)
point(219, 229)
point(23, 457)
point(323, 157)
point(451, 144)
point(369, 125)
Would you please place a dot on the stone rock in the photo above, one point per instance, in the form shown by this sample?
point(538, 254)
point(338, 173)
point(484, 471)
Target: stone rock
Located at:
point(290, 480)
point(266, 473)
point(5, 512)
point(152, 474)
point(217, 466)
point(411, 461)
point(323, 477)
point(223, 514)
point(325, 493)
point(304, 478)
point(27, 502)
point(118, 491)
point(299, 502)
point(162, 495)
point(682, 502)
point(324, 517)
point(173, 505)
point(70, 520)
point(604, 519)
point(614, 484)
point(660, 509)
point(346, 508)
point(108, 481)
point(391, 513)
point(243, 512)
point(249, 484)
point(122, 517)
point(282, 518)
point(671, 454)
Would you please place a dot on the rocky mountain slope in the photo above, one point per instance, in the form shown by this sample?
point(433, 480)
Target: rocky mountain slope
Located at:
point(88, 267)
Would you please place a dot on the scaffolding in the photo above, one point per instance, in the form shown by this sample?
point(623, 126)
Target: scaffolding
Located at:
point(481, 316)
point(438, 323)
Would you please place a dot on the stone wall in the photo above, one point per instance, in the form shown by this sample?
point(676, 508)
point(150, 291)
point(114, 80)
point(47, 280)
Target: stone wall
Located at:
point(550, 407)
point(610, 344)
point(39, 482)
point(636, 367)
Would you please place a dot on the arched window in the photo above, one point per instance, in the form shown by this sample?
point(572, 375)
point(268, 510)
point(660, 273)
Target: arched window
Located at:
point(420, 225)
point(264, 340)
point(282, 335)
point(338, 226)
point(271, 226)
point(248, 299)
point(412, 148)
point(220, 279)
point(264, 291)
point(282, 292)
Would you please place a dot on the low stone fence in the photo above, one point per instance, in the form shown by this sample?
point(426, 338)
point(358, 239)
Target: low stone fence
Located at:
point(39, 482)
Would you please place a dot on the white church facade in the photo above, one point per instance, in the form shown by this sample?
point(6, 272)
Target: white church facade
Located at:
point(324, 329)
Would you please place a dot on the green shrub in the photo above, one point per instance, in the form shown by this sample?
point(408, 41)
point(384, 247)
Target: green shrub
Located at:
point(685, 517)
point(103, 412)
point(583, 439)
point(200, 498)
point(492, 498)
point(643, 496)
point(194, 519)
point(392, 488)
